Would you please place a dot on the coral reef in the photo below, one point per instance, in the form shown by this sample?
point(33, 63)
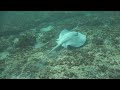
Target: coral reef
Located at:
point(99, 58)
point(25, 40)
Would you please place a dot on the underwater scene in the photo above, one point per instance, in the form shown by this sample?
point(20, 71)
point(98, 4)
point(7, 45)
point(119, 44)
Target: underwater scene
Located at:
point(59, 44)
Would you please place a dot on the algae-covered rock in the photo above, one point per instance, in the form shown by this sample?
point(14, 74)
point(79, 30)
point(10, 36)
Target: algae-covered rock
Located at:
point(46, 29)
point(4, 55)
point(98, 59)
point(25, 41)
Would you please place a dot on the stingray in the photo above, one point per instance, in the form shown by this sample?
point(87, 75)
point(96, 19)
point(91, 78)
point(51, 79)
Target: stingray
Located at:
point(70, 38)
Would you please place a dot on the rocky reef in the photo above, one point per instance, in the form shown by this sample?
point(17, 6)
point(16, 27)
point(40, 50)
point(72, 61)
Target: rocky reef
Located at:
point(99, 58)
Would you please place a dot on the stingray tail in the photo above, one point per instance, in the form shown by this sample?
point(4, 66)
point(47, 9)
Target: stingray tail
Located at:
point(54, 48)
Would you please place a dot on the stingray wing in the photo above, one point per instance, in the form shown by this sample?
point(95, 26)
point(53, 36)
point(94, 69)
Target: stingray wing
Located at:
point(61, 36)
point(75, 41)
point(63, 32)
point(72, 42)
